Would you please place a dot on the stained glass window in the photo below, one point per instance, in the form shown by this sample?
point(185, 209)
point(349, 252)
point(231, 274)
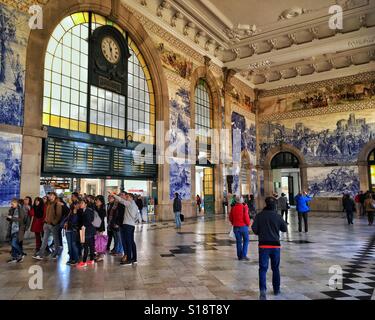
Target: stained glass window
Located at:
point(66, 102)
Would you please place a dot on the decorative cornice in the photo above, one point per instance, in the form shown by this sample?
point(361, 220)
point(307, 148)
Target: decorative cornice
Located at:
point(353, 106)
point(166, 36)
point(368, 76)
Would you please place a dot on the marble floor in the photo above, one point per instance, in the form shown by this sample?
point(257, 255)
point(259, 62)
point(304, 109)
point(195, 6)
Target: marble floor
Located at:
point(200, 263)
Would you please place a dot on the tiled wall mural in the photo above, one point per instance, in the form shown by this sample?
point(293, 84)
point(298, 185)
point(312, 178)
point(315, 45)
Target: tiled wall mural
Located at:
point(180, 172)
point(333, 181)
point(14, 30)
point(10, 167)
point(334, 139)
point(180, 179)
point(254, 179)
point(248, 133)
point(180, 120)
point(248, 143)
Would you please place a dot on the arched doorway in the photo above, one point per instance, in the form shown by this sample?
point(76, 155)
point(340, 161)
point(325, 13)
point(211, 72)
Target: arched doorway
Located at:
point(286, 175)
point(371, 170)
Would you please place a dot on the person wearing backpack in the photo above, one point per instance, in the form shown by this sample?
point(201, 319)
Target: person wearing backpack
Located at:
point(240, 219)
point(16, 231)
point(52, 226)
point(89, 232)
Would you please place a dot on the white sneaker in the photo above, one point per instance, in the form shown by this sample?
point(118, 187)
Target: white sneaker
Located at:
point(37, 257)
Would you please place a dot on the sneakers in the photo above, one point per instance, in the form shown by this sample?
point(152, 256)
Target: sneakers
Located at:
point(90, 262)
point(126, 263)
point(134, 262)
point(276, 292)
point(38, 257)
point(82, 265)
point(12, 260)
point(20, 259)
point(245, 258)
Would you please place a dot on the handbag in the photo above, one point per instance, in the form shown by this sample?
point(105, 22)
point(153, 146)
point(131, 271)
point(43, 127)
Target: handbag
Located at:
point(97, 222)
point(231, 234)
point(82, 234)
point(101, 241)
point(182, 217)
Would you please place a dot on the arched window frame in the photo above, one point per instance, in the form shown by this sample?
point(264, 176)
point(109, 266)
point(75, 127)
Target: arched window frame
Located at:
point(204, 110)
point(140, 110)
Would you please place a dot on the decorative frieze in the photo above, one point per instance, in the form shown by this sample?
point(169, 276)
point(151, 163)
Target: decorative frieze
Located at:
point(362, 77)
point(353, 106)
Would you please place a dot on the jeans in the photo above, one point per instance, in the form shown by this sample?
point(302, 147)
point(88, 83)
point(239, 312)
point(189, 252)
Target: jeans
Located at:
point(286, 215)
point(130, 249)
point(177, 219)
point(16, 248)
point(264, 256)
point(89, 246)
point(242, 240)
point(48, 229)
point(303, 215)
point(117, 240)
point(349, 216)
point(71, 238)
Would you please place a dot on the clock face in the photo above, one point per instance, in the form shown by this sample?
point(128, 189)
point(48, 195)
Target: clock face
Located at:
point(111, 49)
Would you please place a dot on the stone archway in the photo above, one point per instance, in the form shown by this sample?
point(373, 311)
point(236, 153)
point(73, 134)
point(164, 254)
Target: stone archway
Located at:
point(363, 166)
point(268, 178)
point(54, 12)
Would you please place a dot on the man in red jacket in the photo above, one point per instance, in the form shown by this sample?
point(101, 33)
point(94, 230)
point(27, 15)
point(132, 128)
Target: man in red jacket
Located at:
point(239, 217)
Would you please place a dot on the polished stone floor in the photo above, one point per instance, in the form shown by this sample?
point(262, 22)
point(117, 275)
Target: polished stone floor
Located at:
point(200, 263)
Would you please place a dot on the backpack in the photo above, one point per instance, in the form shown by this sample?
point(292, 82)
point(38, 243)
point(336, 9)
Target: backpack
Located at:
point(97, 222)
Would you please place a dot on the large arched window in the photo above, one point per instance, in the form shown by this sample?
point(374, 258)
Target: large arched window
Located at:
point(203, 114)
point(72, 102)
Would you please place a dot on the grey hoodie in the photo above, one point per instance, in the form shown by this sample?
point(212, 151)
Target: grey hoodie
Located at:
point(131, 211)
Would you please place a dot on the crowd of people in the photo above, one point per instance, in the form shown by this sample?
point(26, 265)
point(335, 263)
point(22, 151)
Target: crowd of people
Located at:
point(84, 220)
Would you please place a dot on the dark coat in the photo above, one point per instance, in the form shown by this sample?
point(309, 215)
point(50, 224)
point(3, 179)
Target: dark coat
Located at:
point(348, 204)
point(87, 219)
point(20, 220)
point(267, 226)
point(177, 206)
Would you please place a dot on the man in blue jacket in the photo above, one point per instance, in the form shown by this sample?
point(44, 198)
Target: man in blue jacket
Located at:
point(303, 208)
